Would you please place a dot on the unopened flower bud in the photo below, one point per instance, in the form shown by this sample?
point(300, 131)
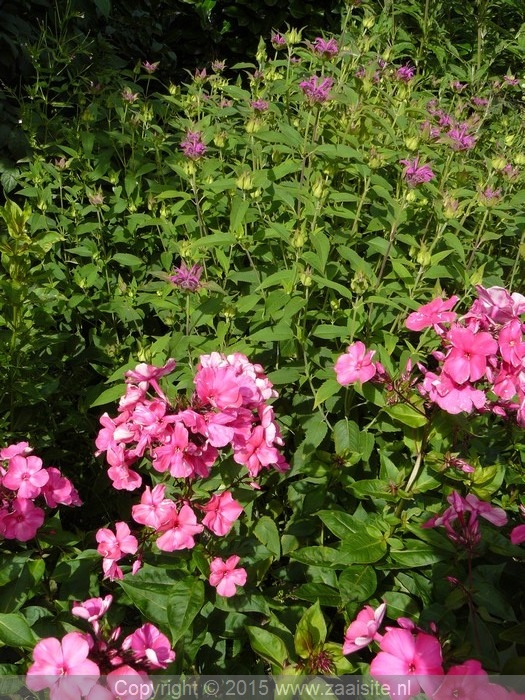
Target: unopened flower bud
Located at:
point(499, 163)
point(369, 21)
point(412, 143)
point(293, 36)
point(252, 126)
point(411, 195)
point(306, 278)
point(360, 282)
point(299, 240)
point(245, 181)
point(219, 139)
point(519, 158)
point(424, 257)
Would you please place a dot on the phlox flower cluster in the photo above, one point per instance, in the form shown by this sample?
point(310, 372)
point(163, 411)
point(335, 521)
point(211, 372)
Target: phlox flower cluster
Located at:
point(229, 410)
point(72, 667)
point(481, 363)
point(24, 483)
point(408, 652)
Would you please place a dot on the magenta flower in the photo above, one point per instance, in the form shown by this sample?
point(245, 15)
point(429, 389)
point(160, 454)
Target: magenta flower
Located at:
point(325, 48)
point(413, 657)
point(150, 646)
point(92, 609)
point(259, 105)
point(405, 73)
point(434, 313)
point(58, 490)
point(63, 667)
point(225, 577)
point(415, 174)
point(517, 534)
point(192, 146)
point(129, 96)
point(187, 279)
point(467, 360)
point(317, 90)
point(363, 630)
point(22, 521)
point(278, 41)
point(221, 512)
point(460, 139)
point(355, 365)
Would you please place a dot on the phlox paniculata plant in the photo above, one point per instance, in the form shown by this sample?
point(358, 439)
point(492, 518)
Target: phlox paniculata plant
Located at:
point(177, 443)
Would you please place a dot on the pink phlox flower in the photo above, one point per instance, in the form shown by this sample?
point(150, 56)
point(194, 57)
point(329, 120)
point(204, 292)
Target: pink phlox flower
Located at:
point(186, 278)
point(326, 48)
point(511, 345)
point(256, 454)
point(63, 667)
point(25, 475)
point(22, 521)
point(192, 146)
point(493, 514)
point(225, 577)
point(145, 375)
point(154, 510)
point(220, 427)
point(416, 174)
point(222, 510)
point(355, 365)
point(150, 646)
point(468, 680)
point(517, 534)
point(434, 313)
point(405, 73)
point(467, 360)
point(59, 490)
point(115, 546)
point(500, 306)
point(123, 478)
point(20, 448)
point(364, 629)
point(449, 395)
point(219, 387)
point(179, 530)
point(124, 681)
point(317, 90)
point(92, 609)
point(134, 394)
point(408, 655)
point(176, 453)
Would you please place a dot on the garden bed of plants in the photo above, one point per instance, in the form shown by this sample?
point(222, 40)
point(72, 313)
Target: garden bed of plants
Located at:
point(263, 396)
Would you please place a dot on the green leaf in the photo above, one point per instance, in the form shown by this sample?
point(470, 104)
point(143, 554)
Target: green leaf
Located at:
point(127, 259)
point(416, 554)
point(326, 390)
point(268, 645)
point(185, 600)
point(407, 415)
point(15, 631)
point(268, 535)
point(325, 594)
point(108, 396)
point(311, 631)
point(357, 584)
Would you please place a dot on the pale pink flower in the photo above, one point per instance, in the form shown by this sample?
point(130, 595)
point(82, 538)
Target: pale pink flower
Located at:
point(129, 96)
point(145, 374)
point(63, 667)
point(26, 476)
point(187, 278)
point(363, 630)
point(179, 530)
point(150, 67)
point(153, 510)
point(410, 656)
point(467, 360)
point(317, 90)
point(434, 313)
point(499, 305)
point(222, 510)
point(225, 577)
point(150, 646)
point(114, 546)
point(326, 48)
point(355, 365)
point(416, 174)
point(92, 609)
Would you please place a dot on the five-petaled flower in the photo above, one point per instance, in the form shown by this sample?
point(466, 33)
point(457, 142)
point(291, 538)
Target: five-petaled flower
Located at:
point(226, 577)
